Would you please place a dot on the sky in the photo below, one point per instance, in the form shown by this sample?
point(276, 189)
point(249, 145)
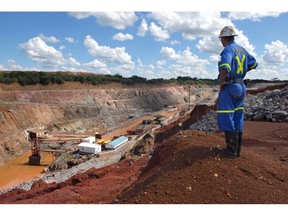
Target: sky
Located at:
point(150, 42)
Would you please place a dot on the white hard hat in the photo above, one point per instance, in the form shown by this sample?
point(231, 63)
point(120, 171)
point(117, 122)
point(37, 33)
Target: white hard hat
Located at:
point(227, 31)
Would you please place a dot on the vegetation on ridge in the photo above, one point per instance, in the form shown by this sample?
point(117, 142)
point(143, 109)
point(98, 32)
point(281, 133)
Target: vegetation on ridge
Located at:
point(46, 78)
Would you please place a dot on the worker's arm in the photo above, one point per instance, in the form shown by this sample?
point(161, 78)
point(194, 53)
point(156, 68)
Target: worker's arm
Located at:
point(252, 63)
point(223, 74)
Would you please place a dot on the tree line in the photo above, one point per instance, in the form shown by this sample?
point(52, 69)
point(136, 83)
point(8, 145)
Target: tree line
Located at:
point(46, 78)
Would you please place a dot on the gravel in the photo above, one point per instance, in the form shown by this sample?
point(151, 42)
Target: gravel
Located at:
point(207, 123)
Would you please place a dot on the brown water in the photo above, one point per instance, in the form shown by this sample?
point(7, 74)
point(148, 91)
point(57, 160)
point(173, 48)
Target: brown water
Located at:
point(18, 170)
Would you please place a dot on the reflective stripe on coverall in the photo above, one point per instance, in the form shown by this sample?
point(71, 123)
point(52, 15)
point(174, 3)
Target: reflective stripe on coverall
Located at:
point(230, 110)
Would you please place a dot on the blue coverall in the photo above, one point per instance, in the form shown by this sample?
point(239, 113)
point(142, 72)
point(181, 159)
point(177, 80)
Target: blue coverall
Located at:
point(230, 107)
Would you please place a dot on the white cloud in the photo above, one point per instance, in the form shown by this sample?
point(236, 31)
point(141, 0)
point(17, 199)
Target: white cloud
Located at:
point(191, 24)
point(149, 74)
point(143, 28)
point(214, 58)
point(123, 70)
point(188, 70)
point(146, 71)
point(39, 51)
point(158, 33)
point(283, 74)
point(186, 57)
point(50, 39)
point(161, 62)
point(255, 16)
point(110, 60)
point(62, 47)
point(276, 52)
point(185, 63)
point(107, 54)
point(81, 15)
point(210, 44)
point(118, 20)
point(122, 37)
point(104, 70)
point(175, 42)
point(263, 71)
point(169, 53)
point(11, 64)
point(70, 39)
point(95, 64)
point(73, 62)
point(139, 62)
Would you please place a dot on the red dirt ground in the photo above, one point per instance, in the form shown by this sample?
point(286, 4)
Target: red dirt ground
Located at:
point(182, 170)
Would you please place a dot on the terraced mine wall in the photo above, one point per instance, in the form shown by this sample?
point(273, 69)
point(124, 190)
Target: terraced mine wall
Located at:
point(80, 108)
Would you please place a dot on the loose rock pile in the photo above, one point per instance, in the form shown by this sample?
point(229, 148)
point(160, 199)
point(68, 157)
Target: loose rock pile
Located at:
point(267, 106)
point(206, 123)
point(271, 106)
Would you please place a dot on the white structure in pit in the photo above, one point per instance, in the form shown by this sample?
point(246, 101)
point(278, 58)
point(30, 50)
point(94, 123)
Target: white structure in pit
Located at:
point(90, 139)
point(117, 142)
point(89, 145)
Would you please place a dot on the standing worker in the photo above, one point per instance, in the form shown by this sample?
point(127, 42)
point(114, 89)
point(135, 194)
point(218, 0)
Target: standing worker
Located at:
point(235, 62)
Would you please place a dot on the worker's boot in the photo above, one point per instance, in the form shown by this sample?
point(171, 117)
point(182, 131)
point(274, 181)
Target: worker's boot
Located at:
point(238, 152)
point(231, 138)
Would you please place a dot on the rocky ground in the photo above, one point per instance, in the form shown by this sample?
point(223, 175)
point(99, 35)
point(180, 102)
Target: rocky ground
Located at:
point(184, 170)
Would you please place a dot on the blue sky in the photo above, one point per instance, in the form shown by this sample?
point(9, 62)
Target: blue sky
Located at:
point(157, 43)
